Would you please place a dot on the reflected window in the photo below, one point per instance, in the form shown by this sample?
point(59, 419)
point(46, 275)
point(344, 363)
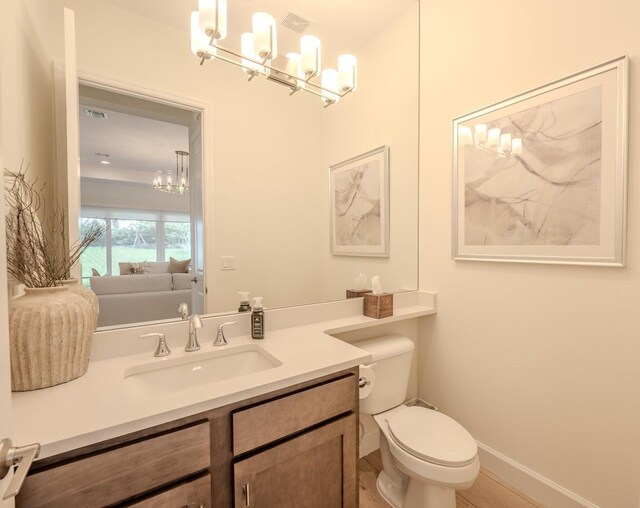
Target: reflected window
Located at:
point(177, 240)
point(133, 240)
point(95, 256)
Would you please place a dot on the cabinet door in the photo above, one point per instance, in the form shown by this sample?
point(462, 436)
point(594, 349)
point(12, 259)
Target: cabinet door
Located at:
point(316, 470)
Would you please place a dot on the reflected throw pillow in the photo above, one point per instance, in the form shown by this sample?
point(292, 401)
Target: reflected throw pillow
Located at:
point(95, 272)
point(133, 268)
point(176, 266)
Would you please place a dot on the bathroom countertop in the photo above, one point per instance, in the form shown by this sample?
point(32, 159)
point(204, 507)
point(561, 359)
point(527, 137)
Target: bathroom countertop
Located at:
point(103, 404)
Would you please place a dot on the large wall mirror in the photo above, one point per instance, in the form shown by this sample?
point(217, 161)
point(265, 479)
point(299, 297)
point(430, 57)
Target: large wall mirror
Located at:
point(281, 196)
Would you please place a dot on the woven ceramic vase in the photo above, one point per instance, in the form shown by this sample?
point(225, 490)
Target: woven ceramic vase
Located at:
point(51, 331)
point(86, 293)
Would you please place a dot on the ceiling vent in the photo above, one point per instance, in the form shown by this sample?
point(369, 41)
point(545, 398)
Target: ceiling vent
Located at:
point(296, 23)
point(92, 113)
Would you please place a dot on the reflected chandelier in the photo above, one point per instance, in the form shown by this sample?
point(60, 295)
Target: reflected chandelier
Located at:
point(259, 49)
point(181, 184)
point(495, 141)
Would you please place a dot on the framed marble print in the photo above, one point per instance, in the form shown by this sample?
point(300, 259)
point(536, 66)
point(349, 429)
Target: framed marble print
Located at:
point(541, 177)
point(359, 205)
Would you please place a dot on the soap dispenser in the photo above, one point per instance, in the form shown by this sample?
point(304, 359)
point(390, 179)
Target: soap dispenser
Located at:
point(257, 319)
point(244, 302)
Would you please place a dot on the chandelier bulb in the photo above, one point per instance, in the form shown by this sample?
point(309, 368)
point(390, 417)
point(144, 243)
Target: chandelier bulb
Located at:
point(265, 38)
point(347, 73)
point(213, 18)
point(247, 48)
point(310, 56)
point(481, 134)
point(330, 86)
point(493, 138)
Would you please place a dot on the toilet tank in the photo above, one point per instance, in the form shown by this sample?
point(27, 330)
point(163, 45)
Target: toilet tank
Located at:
point(391, 361)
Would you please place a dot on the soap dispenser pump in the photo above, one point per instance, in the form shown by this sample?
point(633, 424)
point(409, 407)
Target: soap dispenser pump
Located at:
point(257, 319)
point(244, 302)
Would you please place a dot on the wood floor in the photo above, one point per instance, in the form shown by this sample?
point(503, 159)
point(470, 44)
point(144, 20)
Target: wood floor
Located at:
point(487, 492)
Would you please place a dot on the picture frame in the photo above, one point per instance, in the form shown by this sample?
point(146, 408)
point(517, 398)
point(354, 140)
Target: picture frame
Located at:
point(359, 205)
point(542, 176)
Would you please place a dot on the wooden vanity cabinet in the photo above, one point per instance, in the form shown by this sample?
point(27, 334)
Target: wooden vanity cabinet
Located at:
point(191, 494)
point(313, 470)
point(293, 447)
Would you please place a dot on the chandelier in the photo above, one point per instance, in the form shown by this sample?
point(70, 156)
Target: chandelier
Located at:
point(181, 183)
point(259, 54)
point(502, 144)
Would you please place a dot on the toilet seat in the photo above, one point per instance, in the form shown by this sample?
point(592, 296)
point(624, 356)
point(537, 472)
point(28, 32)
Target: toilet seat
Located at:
point(432, 437)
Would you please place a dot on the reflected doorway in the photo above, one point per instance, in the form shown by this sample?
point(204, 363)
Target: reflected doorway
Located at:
point(141, 177)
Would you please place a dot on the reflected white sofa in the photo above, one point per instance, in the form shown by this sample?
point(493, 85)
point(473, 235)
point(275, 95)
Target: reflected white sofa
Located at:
point(138, 298)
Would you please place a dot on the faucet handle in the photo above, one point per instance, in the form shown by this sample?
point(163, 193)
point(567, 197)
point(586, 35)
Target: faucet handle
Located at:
point(163, 347)
point(221, 340)
point(194, 323)
point(183, 311)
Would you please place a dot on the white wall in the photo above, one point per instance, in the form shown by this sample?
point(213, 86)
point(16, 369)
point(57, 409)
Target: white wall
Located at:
point(129, 195)
point(538, 362)
point(382, 111)
point(26, 94)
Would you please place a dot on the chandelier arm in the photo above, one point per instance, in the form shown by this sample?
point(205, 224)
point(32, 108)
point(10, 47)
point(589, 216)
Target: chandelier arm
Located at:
point(264, 64)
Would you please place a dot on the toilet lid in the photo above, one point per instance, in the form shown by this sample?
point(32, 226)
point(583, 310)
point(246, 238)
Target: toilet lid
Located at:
point(432, 436)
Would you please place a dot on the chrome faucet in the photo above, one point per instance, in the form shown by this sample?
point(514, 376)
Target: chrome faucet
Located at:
point(163, 347)
point(221, 340)
point(194, 323)
point(183, 311)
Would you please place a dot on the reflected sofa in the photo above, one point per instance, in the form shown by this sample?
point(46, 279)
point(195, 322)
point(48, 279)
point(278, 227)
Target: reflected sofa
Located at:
point(138, 298)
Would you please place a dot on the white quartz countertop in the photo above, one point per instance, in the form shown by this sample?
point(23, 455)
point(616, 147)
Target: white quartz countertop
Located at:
point(103, 404)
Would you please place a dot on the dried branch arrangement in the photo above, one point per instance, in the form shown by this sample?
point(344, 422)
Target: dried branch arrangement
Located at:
point(36, 252)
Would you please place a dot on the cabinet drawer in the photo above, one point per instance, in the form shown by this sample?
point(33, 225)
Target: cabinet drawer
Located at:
point(192, 494)
point(115, 475)
point(272, 420)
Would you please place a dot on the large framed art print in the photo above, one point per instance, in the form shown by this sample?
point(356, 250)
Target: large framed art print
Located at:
point(359, 205)
point(541, 177)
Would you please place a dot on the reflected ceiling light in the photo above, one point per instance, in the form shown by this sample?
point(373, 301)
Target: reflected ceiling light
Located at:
point(259, 51)
point(181, 183)
point(502, 144)
point(104, 158)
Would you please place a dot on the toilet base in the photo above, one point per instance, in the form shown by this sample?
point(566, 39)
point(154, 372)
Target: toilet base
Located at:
point(392, 492)
point(428, 495)
point(416, 494)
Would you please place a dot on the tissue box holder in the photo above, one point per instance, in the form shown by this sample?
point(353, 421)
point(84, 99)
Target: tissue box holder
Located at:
point(378, 306)
point(357, 293)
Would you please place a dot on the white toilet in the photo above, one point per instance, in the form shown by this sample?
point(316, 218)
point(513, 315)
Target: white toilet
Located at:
point(425, 454)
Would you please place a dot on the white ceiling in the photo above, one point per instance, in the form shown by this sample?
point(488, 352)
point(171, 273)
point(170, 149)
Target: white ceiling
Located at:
point(343, 26)
point(136, 145)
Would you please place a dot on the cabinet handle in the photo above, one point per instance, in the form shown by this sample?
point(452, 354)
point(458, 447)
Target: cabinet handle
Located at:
point(247, 499)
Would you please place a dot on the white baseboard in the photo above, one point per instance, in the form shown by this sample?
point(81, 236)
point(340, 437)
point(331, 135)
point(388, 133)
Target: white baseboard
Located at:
point(529, 482)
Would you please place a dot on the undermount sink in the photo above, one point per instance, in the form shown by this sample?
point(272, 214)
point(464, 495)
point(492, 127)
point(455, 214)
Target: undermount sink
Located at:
point(200, 368)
